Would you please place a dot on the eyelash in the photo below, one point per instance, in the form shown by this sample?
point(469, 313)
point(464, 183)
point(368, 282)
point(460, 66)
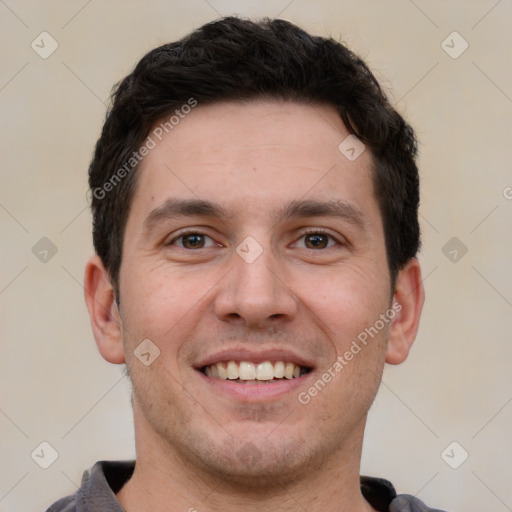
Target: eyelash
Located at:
point(302, 235)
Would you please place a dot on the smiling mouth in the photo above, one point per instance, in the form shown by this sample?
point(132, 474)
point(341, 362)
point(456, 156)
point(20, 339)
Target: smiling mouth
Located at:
point(246, 372)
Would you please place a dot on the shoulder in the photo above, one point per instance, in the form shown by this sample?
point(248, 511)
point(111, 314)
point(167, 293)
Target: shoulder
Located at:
point(408, 503)
point(98, 488)
point(66, 504)
point(381, 494)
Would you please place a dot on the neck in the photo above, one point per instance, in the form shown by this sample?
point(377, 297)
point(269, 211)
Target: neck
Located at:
point(166, 481)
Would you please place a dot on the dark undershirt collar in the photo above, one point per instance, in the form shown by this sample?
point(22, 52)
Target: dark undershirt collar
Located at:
point(379, 493)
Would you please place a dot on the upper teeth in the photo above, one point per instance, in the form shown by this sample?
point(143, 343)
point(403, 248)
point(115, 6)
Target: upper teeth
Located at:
point(245, 370)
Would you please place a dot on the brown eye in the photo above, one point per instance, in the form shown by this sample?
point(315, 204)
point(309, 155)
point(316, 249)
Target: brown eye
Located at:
point(316, 241)
point(193, 241)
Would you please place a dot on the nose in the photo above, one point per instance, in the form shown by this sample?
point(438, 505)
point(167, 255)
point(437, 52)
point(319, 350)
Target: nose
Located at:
point(255, 294)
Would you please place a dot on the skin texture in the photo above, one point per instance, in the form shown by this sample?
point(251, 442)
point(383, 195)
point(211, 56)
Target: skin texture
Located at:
point(202, 447)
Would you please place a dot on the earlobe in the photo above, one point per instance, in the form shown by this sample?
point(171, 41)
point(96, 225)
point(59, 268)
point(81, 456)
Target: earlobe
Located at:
point(103, 311)
point(408, 303)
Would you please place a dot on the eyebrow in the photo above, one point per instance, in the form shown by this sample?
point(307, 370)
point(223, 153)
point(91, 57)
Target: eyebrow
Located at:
point(183, 208)
point(313, 208)
point(297, 209)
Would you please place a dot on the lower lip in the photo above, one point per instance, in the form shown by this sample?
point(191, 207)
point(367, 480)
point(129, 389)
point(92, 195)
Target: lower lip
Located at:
point(254, 392)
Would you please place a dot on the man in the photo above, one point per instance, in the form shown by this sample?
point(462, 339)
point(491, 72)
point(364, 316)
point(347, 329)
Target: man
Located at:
point(255, 206)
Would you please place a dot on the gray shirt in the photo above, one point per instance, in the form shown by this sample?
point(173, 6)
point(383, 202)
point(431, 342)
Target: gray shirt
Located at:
point(97, 493)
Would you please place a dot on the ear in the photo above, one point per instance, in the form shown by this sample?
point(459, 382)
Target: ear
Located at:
point(103, 311)
point(407, 303)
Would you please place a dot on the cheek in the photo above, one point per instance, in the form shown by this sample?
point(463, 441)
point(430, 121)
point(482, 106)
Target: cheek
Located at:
point(166, 306)
point(155, 300)
point(347, 300)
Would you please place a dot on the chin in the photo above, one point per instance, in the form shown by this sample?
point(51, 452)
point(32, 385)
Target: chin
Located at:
point(259, 464)
point(267, 473)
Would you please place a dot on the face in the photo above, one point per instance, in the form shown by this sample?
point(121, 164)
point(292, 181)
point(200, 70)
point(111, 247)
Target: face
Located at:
point(253, 242)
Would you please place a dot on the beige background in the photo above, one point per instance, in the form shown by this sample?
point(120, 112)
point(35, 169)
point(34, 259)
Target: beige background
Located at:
point(456, 386)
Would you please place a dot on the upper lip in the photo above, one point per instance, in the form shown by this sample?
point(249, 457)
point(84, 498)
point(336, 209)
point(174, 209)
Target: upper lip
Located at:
point(254, 356)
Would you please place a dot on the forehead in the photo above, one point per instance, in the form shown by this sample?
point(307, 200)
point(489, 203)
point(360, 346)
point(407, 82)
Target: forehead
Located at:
point(253, 157)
